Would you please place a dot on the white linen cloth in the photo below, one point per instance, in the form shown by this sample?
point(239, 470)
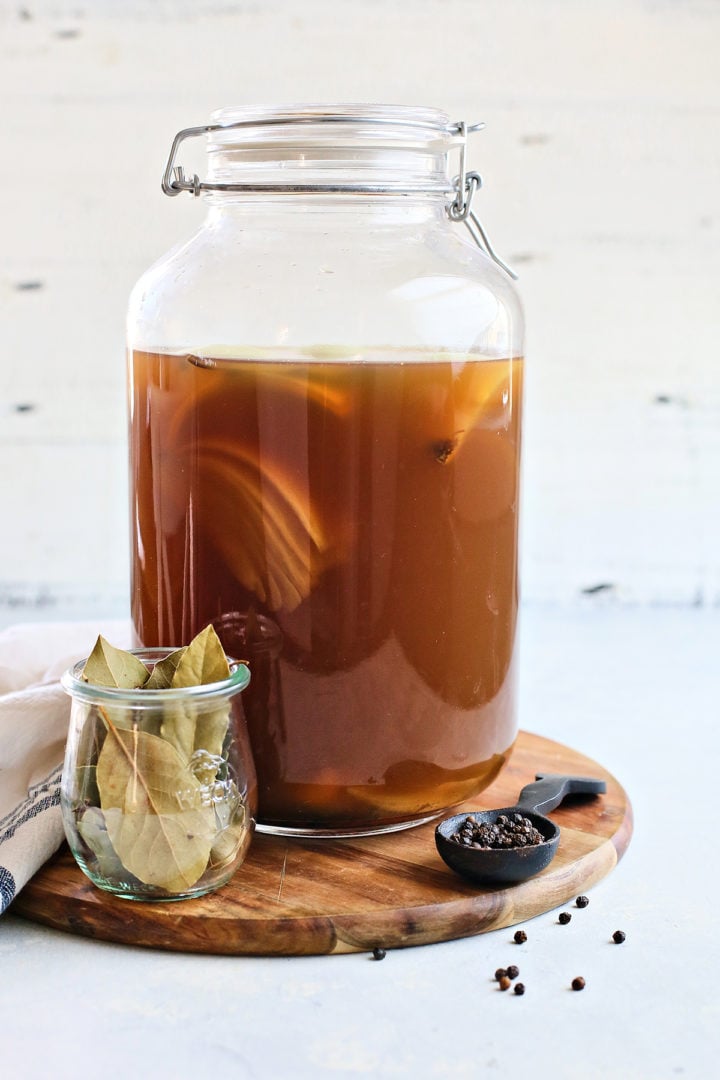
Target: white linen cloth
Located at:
point(34, 715)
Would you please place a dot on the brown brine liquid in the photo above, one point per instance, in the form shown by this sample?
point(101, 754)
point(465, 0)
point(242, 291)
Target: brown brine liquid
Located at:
point(350, 528)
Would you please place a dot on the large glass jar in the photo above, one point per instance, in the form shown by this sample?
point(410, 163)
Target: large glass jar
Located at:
point(325, 391)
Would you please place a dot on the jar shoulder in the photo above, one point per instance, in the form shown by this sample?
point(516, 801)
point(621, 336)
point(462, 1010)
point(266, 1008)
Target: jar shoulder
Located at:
point(423, 286)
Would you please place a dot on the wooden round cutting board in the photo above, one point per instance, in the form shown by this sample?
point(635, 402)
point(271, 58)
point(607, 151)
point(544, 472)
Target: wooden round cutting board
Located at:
point(294, 897)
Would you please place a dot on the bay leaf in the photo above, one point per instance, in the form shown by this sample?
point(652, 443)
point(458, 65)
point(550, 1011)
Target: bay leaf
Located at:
point(154, 812)
point(108, 666)
point(161, 677)
point(231, 841)
point(89, 745)
point(178, 727)
point(189, 727)
point(202, 661)
point(211, 727)
point(168, 851)
point(93, 831)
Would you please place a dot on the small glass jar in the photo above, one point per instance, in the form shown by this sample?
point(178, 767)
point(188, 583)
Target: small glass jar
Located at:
point(158, 789)
point(325, 385)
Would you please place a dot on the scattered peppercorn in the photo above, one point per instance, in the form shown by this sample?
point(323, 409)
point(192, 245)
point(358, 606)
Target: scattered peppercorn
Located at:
point(512, 972)
point(618, 937)
point(519, 989)
point(578, 983)
point(582, 901)
point(378, 954)
point(520, 937)
point(507, 831)
point(504, 983)
point(500, 974)
point(564, 917)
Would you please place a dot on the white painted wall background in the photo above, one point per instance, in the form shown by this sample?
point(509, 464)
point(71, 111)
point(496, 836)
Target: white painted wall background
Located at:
point(601, 162)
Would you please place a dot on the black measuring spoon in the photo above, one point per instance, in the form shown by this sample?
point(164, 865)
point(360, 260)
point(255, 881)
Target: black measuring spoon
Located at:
point(494, 866)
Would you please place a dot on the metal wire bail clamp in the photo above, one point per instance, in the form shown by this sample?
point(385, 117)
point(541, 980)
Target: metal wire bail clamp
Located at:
point(465, 184)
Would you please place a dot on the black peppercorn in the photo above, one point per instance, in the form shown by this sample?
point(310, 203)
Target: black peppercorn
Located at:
point(512, 972)
point(378, 954)
point(582, 901)
point(564, 917)
point(618, 937)
point(504, 983)
point(578, 983)
point(499, 974)
point(520, 937)
point(506, 832)
point(519, 988)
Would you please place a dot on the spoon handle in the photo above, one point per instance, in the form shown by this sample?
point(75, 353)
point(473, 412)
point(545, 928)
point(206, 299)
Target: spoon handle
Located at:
point(550, 789)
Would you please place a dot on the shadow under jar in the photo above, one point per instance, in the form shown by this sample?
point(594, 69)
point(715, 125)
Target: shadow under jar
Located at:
point(325, 395)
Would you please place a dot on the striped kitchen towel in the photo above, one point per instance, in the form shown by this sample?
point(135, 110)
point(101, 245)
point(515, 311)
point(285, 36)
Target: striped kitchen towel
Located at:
point(34, 714)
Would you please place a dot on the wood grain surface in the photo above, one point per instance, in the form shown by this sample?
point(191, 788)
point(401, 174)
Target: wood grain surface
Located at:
point(294, 897)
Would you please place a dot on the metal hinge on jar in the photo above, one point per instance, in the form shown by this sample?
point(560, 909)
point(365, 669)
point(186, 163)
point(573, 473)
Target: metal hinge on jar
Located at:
point(465, 184)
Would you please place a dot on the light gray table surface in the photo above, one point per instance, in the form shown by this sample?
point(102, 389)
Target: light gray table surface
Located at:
point(636, 690)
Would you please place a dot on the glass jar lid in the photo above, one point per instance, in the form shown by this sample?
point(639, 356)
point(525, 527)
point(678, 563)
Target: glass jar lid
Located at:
point(306, 147)
point(335, 149)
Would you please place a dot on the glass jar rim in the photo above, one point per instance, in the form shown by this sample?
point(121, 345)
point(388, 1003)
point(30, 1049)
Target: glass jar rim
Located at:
point(318, 124)
point(328, 149)
point(74, 685)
